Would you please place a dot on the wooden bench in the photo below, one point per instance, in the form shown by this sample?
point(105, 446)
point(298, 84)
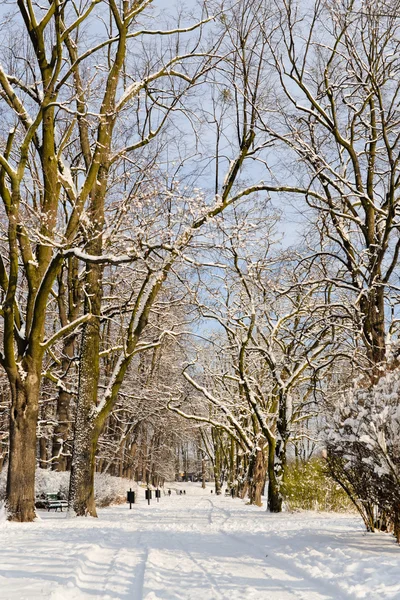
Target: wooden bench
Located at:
point(54, 502)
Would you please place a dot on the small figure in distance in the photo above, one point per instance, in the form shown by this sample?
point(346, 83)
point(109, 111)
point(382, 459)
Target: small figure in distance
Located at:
point(184, 492)
point(180, 492)
point(211, 491)
point(169, 492)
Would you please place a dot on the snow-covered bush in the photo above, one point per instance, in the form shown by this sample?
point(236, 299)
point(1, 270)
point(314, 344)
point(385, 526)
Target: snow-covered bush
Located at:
point(363, 442)
point(51, 482)
point(111, 490)
point(307, 486)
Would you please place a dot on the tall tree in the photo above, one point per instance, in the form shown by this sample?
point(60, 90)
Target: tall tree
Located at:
point(336, 67)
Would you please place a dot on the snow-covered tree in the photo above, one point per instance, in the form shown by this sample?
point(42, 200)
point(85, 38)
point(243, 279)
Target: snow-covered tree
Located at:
point(362, 439)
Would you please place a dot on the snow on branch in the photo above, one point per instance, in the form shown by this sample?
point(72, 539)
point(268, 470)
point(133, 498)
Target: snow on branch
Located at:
point(65, 331)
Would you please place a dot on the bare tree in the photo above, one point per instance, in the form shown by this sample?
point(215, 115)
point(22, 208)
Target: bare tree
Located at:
point(275, 342)
point(336, 67)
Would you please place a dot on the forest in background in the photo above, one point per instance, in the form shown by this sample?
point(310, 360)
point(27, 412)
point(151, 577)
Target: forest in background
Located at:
point(162, 311)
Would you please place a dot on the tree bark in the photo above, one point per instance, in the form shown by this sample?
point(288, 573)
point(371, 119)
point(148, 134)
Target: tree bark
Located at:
point(20, 494)
point(372, 307)
point(256, 477)
point(43, 464)
point(217, 462)
point(232, 467)
point(61, 432)
point(81, 493)
point(71, 298)
point(87, 431)
point(203, 473)
point(274, 491)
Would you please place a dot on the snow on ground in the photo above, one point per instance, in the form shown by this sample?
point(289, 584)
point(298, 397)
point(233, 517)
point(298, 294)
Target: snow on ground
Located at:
point(196, 547)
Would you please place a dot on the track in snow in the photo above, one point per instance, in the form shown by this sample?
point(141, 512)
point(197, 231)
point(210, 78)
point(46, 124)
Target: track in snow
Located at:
point(196, 547)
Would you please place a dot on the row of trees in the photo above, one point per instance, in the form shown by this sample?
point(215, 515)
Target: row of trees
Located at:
point(137, 168)
point(310, 325)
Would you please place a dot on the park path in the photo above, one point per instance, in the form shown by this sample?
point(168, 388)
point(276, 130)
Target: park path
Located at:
point(196, 547)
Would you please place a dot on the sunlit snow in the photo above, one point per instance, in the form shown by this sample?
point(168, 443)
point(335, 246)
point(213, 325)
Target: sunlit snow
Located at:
point(196, 547)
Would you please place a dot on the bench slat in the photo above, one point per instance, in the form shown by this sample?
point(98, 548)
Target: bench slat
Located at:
point(52, 502)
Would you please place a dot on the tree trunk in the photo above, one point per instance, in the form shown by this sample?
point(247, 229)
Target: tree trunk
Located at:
point(203, 473)
point(277, 456)
point(274, 492)
point(67, 296)
point(63, 427)
point(282, 437)
point(217, 462)
point(256, 477)
point(144, 456)
point(61, 432)
point(396, 523)
point(373, 310)
point(217, 476)
point(241, 474)
point(81, 494)
point(43, 464)
point(20, 495)
point(81, 491)
point(232, 466)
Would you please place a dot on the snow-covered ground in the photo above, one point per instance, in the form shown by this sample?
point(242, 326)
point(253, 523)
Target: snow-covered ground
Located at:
point(198, 547)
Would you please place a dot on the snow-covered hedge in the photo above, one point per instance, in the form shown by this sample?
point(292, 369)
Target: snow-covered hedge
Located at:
point(108, 489)
point(363, 441)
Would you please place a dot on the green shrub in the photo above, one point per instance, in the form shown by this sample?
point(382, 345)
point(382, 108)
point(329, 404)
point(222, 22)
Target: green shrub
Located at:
point(307, 486)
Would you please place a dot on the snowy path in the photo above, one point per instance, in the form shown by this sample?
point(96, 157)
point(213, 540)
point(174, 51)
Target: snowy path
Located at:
point(196, 547)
